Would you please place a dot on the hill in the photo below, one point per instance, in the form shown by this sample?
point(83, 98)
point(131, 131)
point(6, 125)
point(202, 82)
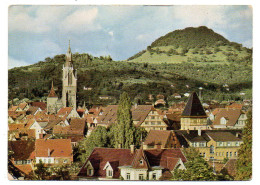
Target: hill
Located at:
point(106, 77)
point(199, 44)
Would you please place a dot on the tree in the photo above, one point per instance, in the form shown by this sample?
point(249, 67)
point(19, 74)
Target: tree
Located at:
point(244, 162)
point(41, 172)
point(197, 169)
point(123, 130)
point(97, 138)
point(61, 172)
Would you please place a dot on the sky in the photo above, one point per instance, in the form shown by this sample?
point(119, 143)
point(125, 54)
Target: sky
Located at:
point(36, 32)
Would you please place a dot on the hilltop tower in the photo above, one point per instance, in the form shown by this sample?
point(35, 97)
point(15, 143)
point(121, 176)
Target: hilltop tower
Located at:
point(69, 82)
point(193, 116)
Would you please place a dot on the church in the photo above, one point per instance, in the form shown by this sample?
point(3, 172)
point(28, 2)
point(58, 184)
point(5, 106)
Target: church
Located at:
point(69, 88)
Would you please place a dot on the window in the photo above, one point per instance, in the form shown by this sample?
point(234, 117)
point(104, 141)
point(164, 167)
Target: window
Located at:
point(141, 162)
point(202, 144)
point(228, 143)
point(222, 153)
point(65, 161)
point(161, 128)
point(152, 123)
point(154, 176)
point(158, 123)
point(146, 123)
point(128, 176)
point(235, 153)
point(227, 154)
point(230, 154)
point(212, 149)
point(49, 160)
point(204, 154)
point(90, 172)
point(141, 177)
point(237, 144)
point(220, 143)
point(110, 173)
point(152, 117)
point(216, 153)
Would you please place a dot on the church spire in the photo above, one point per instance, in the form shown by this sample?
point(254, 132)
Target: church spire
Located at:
point(52, 91)
point(68, 57)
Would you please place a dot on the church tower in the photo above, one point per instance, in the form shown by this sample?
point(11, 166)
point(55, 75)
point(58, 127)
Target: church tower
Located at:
point(69, 82)
point(52, 100)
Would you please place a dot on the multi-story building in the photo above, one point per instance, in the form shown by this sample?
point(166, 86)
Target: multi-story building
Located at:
point(213, 144)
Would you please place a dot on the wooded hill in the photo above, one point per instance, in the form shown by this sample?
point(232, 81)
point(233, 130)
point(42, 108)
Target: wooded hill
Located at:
point(105, 77)
point(193, 45)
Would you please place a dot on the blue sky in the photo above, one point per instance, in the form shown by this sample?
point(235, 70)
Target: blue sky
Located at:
point(37, 32)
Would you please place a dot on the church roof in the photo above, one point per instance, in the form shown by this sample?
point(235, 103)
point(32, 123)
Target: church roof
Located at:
point(194, 107)
point(52, 92)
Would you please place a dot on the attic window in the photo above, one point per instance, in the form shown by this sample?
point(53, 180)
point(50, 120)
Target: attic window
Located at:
point(141, 162)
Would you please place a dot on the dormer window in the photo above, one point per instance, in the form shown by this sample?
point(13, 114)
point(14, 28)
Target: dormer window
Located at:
point(223, 121)
point(141, 162)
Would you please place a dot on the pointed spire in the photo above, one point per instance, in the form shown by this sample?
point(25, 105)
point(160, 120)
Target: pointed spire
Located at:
point(52, 91)
point(194, 107)
point(68, 57)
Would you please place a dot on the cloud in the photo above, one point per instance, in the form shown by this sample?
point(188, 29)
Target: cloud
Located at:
point(200, 15)
point(81, 21)
point(12, 62)
point(111, 33)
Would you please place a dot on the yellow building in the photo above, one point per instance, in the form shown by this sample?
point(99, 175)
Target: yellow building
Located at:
point(193, 116)
point(214, 144)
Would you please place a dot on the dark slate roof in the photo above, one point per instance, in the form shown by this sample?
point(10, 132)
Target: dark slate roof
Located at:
point(193, 107)
point(22, 149)
point(193, 136)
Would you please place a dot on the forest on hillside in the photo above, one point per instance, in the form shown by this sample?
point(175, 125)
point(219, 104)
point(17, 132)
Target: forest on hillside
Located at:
point(106, 77)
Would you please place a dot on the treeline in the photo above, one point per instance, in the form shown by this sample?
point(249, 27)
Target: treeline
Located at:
point(190, 38)
point(110, 78)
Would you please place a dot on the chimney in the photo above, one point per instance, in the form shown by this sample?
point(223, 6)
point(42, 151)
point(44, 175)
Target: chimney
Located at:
point(135, 105)
point(49, 152)
point(199, 131)
point(119, 146)
point(132, 149)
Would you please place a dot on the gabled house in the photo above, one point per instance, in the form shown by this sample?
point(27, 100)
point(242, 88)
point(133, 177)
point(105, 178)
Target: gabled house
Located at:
point(229, 118)
point(54, 151)
point(33, 110)
point(161, 139)
point(22, 107)
point(67, 113)
point(37, 126)
point(148, 117)
point(22, 155)
point(107, 116)
point(131, 164)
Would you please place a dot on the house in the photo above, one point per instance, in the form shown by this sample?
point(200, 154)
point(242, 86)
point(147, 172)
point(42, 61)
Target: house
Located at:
point(37, 126)
point(229, 118)
point(41, 105)
point(131, 164)
point(107, 116)
point(213, 144)
point(33, 110)
point(67, 113)
point(161, 139)
point(148, 117)
point(53, 151)
point(173, 120)
point(22, 155)
point(22, 107)
point(193, 116)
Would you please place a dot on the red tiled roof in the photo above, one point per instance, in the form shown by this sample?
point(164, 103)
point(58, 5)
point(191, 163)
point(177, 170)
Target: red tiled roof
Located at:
point(25, 168)
point(57, 148)
point(22, 105)
point(158, 137)
point(230, 167)
point(65, 111)
point(123, 157)
point(100, 156)
point(77, 126)
point(13, 108)
point(15, 126)
point(231, 114)
point(235, 106)
point(41, 105)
